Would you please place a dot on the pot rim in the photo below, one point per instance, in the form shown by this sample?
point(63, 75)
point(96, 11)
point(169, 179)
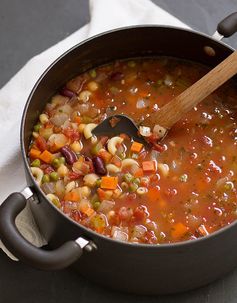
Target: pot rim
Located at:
point(181, 244)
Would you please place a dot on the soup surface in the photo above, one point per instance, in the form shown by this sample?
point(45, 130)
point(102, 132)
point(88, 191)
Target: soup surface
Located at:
point(182, 188)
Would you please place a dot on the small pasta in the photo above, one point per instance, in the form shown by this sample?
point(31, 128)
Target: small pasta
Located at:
point(112, 143)
point(76, 146)
point(38, 174)
point(111, 168)
point(129, 162)
point(88, 130)
point(90, 179)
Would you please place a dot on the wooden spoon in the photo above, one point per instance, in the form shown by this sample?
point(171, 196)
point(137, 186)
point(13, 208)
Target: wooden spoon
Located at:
point(162, 120)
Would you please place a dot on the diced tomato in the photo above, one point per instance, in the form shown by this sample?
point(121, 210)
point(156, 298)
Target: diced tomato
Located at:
point(72, 134)
point(74, 176)
point(125, 213)
point(48, 170)
point(76, 215)
point(140, 213)
point(41, 143)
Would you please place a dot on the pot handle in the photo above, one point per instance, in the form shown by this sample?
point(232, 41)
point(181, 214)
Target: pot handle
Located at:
point(36, 257)
point(228, 26)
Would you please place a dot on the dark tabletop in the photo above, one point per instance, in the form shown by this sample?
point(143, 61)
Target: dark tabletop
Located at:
point(29, 27)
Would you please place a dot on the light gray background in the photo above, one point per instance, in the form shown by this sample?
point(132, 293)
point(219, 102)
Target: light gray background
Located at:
point(28, 27)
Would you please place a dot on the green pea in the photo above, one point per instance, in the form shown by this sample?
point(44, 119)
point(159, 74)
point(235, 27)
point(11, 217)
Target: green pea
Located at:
point(56, 163)
point(36, 163)
point(96, 205)
point(37, 127)
point(54, 176)
point(98, 182)
point(62, 160)
point(92, 73)
point(45, 178)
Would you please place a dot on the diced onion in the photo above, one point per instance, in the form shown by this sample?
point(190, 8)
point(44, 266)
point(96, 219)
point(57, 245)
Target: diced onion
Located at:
point(59, 119)
point(106, 206)
point(48, 188)
point(168, 80)
point(142, 103)
point(145, 131)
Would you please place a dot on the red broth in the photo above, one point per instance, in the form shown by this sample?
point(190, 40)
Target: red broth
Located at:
point(183, 189)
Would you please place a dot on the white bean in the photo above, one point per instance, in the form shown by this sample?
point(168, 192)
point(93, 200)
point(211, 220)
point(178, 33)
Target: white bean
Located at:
point(84, 96)
point(112, 144)
point(43, 118)
point(88, 130)
point(38, 174)
point(70, 186)
point(90, 179)
point(62, 170)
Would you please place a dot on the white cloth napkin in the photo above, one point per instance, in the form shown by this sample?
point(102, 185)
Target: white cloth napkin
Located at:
point(105, 15)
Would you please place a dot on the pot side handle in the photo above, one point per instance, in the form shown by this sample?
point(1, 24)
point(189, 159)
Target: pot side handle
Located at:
point(228, 26)
point(36, 257)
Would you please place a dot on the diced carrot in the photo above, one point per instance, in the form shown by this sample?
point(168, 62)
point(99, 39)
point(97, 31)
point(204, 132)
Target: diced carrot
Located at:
point(72, 196)
point(101, 194)
point(34, 153)
point(149, 166)
point(136, 147)
point(46, 156)
point(89, 211)
point(109, 182)
point(106, 156)
point(116, 161)
point(179, 230)
point(41, 143)
point(78, 119)
point(138, 173)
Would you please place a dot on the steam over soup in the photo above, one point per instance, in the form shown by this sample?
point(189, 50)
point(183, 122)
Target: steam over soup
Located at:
point(182, 188)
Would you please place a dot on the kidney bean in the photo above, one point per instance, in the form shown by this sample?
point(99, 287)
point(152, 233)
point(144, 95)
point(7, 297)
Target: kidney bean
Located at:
point(116, 76)
point(67, 92)
point(69, 155)
point(99, 166)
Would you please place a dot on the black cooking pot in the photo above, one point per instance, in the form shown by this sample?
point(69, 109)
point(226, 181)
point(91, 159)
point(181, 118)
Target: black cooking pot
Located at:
point(137, 268)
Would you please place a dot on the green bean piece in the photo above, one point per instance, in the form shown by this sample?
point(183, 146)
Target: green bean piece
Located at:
point(127, 177)
point(56, 203)
point(132, 187)
point(136, 181)
point(36, 163)
point(37, 127)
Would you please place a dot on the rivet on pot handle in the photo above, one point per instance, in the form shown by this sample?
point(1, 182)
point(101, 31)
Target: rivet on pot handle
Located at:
point(227, 27)
point(36, 257)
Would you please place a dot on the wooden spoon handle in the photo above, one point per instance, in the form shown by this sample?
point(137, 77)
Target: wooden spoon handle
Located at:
point(173, 111)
